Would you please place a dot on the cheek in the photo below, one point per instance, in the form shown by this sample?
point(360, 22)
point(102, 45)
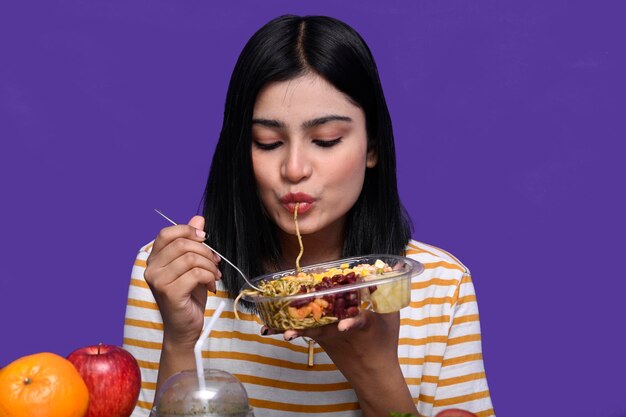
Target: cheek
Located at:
point(350, 173)
point(261, 175)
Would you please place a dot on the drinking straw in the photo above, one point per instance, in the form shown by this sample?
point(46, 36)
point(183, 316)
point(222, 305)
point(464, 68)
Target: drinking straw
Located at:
point(197, 350)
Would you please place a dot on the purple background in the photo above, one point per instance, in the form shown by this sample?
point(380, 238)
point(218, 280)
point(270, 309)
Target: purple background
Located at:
point(506, 122)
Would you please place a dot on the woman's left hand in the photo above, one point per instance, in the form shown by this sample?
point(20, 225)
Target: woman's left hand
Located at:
point(365, 349)
point(365, 344)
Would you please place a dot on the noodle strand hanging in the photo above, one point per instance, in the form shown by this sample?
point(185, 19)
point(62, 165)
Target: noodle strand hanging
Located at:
point(295, 219)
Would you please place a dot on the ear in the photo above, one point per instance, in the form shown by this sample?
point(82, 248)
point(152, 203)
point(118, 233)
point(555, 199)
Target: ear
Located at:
point(372, 158)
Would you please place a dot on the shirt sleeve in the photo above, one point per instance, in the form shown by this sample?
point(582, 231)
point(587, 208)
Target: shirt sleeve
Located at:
point(143, 333)
point(462, 382)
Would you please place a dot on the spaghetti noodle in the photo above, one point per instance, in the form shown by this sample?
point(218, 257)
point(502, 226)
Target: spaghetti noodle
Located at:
point(295, 220)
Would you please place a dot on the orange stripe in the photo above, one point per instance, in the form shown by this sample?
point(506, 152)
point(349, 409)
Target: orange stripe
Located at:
point(143, 284)
point(148, 385)
point(419, 342)
point(442, 264)
point(420, 361)
point(413, 381)
point(142, 304)
point(429, 301)
point(434, 281)
point(461, 399)
point(148, 365)
point(232, 335)
point(303, 408)
point(422, 250)
point(430, 379)
point(280, 343)
point(269, 361)
point(320, 367)
point(462, 359)
point(139, 283)
point(465, 319)
point(426, 398)
point(207, 313)
point(263, 340)
point(455, 297)
point(425, 321)
point(144, 404)
point(485, 413)
point(144, 324)
point(464, 339)
point(466, 299)
point(140, 262)
point(142, 343)
point(294, 386)
point(466, 278)
point(461, 379)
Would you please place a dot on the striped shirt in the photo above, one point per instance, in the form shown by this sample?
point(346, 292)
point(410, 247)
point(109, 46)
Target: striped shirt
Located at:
point(439, 348)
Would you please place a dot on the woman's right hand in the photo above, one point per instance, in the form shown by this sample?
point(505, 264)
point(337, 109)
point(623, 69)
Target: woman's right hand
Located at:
point(179, 271)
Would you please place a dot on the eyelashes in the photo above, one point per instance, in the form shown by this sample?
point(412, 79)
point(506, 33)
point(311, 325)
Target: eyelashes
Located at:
point(322, 143)
point(267, 146)
point(327, 143)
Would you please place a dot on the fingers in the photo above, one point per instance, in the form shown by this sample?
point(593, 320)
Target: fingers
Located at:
point(190, 280)
point(353, 323)
point(189, 263)
point(197, 222)
point(189, 231)
point(266, 331)
point(180, 247)
point(291, 334)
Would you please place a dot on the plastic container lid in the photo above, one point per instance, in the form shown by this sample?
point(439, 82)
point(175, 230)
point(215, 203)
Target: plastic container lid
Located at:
point(180, 396)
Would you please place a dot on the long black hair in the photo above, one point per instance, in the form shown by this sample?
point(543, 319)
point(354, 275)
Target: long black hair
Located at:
point(286, 48)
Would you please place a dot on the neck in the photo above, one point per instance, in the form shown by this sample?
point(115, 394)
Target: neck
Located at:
point(321, 246)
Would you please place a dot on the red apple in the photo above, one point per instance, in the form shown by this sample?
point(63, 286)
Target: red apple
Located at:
point(113, 379)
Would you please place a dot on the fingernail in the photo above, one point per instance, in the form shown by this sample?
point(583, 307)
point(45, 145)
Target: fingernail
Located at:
point(200, 233)
point(219, 258)
point(219, 273)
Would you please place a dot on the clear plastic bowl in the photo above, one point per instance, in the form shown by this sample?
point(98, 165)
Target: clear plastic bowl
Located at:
point(181, 396)
point(381, 292)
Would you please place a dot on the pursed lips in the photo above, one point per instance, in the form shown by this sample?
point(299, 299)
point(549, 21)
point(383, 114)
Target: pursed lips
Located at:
point(289, 201)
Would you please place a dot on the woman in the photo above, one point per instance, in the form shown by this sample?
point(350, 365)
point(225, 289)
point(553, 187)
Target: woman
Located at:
point(306, 122)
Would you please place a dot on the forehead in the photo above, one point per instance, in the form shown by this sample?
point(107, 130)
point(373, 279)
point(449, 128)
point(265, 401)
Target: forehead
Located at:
point(302, 99)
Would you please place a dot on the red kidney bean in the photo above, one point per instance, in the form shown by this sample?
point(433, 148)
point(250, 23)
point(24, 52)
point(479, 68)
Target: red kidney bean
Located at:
point(340, 305)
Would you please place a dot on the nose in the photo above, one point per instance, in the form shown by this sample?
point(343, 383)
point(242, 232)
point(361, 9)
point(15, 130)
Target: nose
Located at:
point(296, 165)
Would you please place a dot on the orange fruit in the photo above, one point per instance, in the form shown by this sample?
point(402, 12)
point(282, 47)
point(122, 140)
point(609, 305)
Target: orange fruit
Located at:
point(42, 385)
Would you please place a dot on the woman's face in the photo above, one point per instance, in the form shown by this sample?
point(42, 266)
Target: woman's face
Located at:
point(309, 146)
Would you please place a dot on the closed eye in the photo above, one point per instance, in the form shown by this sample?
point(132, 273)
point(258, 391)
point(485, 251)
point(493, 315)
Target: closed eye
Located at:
point(267, 146)
point(327, 143)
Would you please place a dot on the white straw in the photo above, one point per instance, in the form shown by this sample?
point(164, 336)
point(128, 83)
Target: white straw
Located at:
point(197, 350)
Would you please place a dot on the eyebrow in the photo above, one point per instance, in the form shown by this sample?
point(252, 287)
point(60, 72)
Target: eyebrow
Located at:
point(276, 124)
